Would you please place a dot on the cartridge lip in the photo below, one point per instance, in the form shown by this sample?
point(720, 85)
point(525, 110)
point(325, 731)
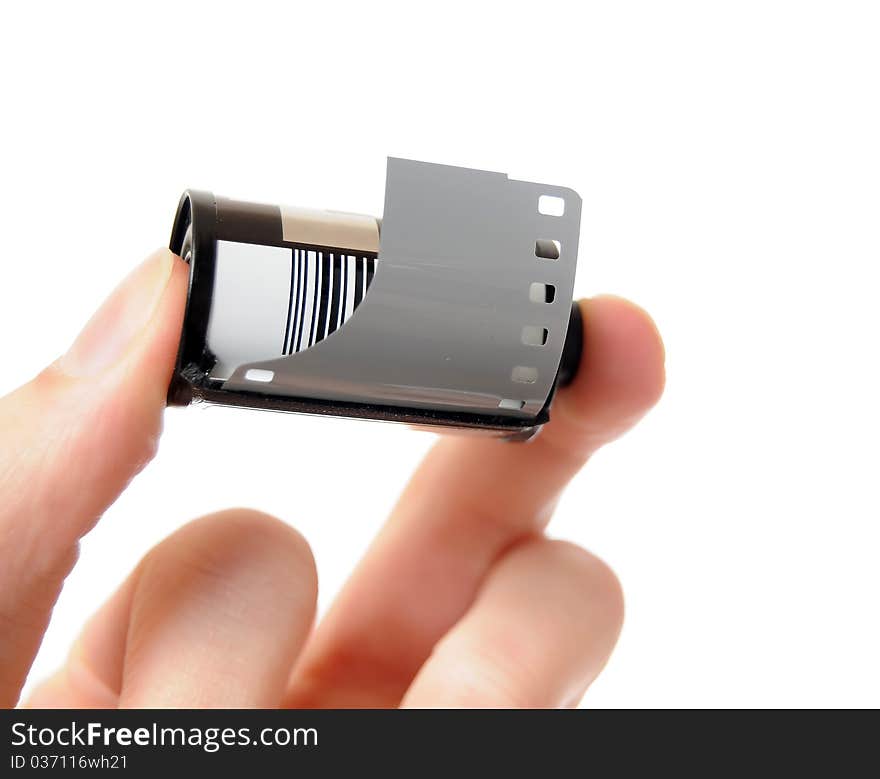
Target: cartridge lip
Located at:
point(196, 217)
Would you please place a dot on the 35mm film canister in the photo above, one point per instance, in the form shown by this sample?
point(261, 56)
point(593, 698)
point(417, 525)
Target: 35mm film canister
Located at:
point(452, 311)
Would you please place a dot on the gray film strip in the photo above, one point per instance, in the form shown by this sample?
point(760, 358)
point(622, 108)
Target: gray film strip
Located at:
point(469, 306)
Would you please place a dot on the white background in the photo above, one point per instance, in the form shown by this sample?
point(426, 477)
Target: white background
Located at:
point(728, 156)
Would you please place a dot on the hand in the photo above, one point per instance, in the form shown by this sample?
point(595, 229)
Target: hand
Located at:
point(460, 601)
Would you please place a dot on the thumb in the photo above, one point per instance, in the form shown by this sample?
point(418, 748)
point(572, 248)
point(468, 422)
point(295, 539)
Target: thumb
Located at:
point(72, 439)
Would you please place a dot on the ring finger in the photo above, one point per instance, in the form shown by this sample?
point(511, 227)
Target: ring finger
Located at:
point(213, 617)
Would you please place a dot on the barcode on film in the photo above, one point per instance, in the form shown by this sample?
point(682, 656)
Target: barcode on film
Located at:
point(325, 289)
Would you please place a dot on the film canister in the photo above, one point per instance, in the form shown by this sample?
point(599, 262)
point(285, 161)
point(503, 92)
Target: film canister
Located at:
point(453, 311)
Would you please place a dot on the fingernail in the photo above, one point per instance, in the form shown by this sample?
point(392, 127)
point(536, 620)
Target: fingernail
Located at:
point(115, 325)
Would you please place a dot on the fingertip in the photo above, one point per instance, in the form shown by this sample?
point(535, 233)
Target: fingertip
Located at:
point(244, 579)
point(595, 578)
point(570, 572)
point(245, 539)
point(623, 348)
point(542, 627)
point(155, 353)
point(622, 373)
point(280, 547)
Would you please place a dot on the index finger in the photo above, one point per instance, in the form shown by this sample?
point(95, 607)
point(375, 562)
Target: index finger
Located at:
point(469, 501)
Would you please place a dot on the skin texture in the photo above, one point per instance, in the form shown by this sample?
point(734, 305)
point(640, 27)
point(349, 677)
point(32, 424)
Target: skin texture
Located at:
point(460, 600)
